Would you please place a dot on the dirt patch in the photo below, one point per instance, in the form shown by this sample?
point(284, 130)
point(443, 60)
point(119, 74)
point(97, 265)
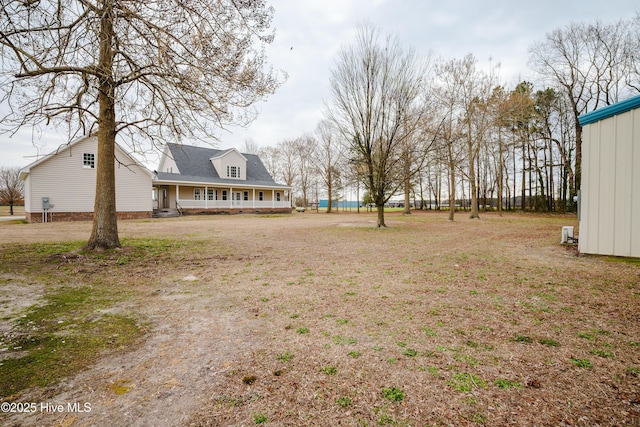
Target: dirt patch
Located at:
point(325, 320)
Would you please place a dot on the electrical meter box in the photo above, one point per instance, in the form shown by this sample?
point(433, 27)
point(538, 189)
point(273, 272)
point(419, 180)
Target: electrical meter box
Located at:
point(45, 203)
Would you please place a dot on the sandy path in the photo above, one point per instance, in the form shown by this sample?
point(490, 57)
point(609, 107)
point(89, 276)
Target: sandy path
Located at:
point(190, 346)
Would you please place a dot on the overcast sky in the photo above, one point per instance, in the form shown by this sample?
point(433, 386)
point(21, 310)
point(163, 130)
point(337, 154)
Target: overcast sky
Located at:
point(309, 34)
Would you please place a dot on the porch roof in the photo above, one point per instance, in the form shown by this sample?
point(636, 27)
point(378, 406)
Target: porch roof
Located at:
point(165, 178)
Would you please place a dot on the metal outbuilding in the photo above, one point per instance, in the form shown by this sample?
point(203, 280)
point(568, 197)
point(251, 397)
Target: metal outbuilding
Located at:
point(610, 188)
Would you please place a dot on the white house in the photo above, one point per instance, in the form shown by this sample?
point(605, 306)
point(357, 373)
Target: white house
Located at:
point(198, 180)
point(610, 188)
point(62, 185)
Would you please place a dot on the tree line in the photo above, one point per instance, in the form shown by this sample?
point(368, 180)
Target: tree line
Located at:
point(446, 133)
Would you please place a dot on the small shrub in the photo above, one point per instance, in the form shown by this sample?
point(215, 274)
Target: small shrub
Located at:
point(393, 393)
point(302, 330)
point(354, 354)
point(522, 339)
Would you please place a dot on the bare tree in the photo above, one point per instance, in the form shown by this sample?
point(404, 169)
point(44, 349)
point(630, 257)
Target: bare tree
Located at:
point(162, 69)
point(590, 65)
point(327, 157)
point(11, 187)
point(467, 90)
point(249, 146)
point(376, 89)
point(303, 150)
point(270, 156)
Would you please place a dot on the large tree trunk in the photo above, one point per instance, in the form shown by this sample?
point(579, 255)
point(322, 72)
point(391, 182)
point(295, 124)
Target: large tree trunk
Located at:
point(105, 222)
point(407, 196)
point(380, 208)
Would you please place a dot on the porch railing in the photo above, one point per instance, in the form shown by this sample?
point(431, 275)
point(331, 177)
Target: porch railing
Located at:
point(231, 204)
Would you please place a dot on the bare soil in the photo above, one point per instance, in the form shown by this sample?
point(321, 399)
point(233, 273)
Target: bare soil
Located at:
point(306, 319)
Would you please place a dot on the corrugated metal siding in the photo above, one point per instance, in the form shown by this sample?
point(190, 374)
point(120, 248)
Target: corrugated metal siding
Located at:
point(635, 185)
point(610, 193)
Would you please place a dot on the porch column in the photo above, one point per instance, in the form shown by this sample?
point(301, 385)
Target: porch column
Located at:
point(231, 197)
point(206, 198)
point(273, 198)
point(177, 195)
point(254, 198)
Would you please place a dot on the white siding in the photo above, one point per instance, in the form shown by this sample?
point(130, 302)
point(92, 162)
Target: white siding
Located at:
point(167, 164)
point(71, 188)
point(610, 193)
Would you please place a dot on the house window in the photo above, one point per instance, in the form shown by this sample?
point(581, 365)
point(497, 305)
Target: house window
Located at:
point(89, 161)
point(260, 196)
point(196, 194)
point(224, 194)
point(278, 196)
point(170, 170)
point(245, 196)
point(233, 171)
point(210, 194)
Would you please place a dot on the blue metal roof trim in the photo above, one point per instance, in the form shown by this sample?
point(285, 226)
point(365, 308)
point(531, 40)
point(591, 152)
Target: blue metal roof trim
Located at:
point(610, 110)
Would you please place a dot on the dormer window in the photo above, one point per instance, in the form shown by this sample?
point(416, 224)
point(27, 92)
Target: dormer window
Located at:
point(233, 171)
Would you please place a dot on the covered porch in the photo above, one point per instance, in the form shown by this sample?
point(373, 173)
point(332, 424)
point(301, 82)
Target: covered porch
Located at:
point(194, 199)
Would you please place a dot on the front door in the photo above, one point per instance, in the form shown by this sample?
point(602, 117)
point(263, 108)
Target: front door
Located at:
point(236, 197)
point(164, 198)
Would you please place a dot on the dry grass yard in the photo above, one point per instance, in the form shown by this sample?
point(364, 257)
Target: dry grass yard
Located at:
point(318, 320)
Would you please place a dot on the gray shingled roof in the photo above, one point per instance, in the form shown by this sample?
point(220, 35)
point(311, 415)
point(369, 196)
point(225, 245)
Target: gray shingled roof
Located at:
point(195, 166)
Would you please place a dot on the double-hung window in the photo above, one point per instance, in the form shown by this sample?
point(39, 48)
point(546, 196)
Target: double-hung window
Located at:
point(88, 160)
point(233, 171)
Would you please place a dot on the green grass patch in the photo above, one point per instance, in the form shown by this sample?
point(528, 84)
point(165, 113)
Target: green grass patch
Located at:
point(602, 353)
point(344, 401)
point(409, 352)
point(465, 382)
point(549, 342)
point(62, 336)
point(329, 370)
point(522, 339)
point(340, 340)
point(505, 384)
point(286, 356)
point(581, 363)
point(393, 393)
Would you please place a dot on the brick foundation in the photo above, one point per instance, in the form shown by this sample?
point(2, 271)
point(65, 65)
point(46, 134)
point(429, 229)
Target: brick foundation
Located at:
point(36, 217)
